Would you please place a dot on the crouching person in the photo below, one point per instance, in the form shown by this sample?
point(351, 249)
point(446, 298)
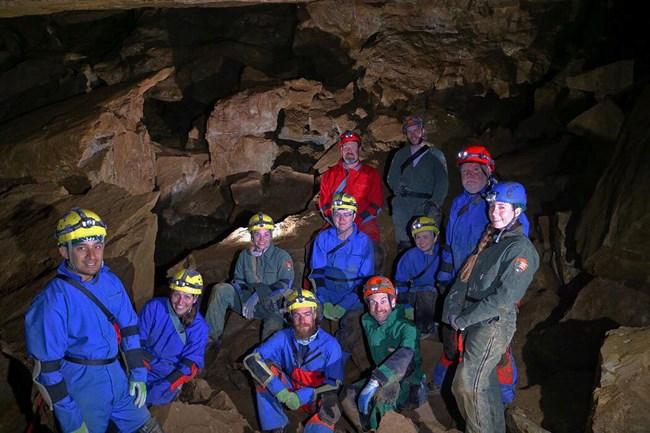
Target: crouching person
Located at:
point(173, 335)
point(397, 382)
point(299, 368)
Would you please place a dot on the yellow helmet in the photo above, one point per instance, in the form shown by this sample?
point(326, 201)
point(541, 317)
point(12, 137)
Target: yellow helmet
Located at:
point(260, 221)
point(342, 200)
point(301, 299)
point(78, 225)
point(423, 224)
point(188, 281)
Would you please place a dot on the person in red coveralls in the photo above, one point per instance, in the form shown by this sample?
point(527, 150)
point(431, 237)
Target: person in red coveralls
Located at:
point(352, 176)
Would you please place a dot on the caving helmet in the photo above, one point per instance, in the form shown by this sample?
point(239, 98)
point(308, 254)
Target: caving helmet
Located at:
point(378, 284)
point(412, 120)
point(508, 192)
point(423, 224)
point(349, 136)
point(342, 200)
point(260, 221)
point(79, 225)
point(475, 153)
point(188, 281)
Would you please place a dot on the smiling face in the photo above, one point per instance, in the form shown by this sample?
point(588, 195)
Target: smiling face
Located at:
point(415, 135)
point(474, 176)
point(502, 213)
point(342, 220)
point(380, 306)
point(425, 241)
point(261, 239)
point(182, 302)
point(86, 257)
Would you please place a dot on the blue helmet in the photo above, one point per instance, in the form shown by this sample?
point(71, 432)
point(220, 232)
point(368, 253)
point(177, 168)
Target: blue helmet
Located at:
point(508, 192)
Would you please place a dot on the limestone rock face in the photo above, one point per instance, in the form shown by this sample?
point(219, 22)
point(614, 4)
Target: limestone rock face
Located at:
point(82, 142)
point(236, 128)
point(611, 236)
point(447, 45)
point(604, 298)
point(620, 400)
point(601, 122)
point(28, 217)
point(218, 416)
point(605, 80)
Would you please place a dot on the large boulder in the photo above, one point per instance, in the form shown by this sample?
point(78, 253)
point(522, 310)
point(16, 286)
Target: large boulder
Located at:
point(84, 141)
point(621, 398)
point(237, 126)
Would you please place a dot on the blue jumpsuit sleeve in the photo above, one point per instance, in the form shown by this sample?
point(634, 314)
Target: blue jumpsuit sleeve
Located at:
point(402, 276)
point(317, 265)
point(194, 350)
point(366, 270)
point(126, 317)
point(512, 285)
point(146, 321)
point(271, 350)
point(46, 334)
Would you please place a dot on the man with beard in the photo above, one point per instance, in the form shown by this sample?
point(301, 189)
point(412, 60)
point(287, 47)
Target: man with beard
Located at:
point(352, 176)
point(418, 179)
point(397, 381)
point(299, 367)
point(73, 329)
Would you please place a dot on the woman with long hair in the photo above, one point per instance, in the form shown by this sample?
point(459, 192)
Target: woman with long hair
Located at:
point(173, 335)
point(482, 305)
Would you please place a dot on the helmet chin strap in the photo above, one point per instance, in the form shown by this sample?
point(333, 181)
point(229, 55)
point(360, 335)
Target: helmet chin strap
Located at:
point(70, 263)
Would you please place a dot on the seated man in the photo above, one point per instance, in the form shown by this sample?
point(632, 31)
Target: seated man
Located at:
point(173, 335)
point(397, 381)
point(416, 275)
point(263, 275)
point(342, 259)
point(298, 367)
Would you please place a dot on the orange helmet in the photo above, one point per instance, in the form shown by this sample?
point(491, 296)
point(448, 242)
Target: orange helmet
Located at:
point(349, 136)
point(378, 284)
point(475, 153)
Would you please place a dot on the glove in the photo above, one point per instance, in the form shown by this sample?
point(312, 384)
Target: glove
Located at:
point(273, 302)
point(402, 190)
point(141, 388)
point(409, 312)
point(289, 399)
point(248, 310)
point(333, 312)
point(452, 321)
point(82, 429)
point(366, 395)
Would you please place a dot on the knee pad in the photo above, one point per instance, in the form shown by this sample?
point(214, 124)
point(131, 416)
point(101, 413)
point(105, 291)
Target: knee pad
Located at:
point(329, 411)
point(151, 426)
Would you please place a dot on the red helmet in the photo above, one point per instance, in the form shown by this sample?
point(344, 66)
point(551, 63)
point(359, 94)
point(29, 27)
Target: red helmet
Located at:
point(349, 136)
point(414, 119)
point(475, 153)
point(378, 284)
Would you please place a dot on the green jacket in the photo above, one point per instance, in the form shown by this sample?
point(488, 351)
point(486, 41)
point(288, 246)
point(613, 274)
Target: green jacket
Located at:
point(501, 275)
point(271, 271)
point(385, 340)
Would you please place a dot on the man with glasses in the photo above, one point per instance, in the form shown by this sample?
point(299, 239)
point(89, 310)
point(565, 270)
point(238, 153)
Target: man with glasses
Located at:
point(299, 367)
point(418, 179)
point(353, 176)
point(341, 260)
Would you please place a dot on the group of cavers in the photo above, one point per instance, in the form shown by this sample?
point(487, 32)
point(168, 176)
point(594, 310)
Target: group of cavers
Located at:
point(464, 291)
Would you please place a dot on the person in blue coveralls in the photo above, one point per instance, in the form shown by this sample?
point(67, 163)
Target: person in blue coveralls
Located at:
point(299, 368)
point(468, 218)
point(72, 331)
point(173, 335)
point(482, 306)
point(342, 259)
point(415, 278)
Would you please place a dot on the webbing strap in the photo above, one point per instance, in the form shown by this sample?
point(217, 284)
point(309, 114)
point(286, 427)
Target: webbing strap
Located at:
point(412, 158)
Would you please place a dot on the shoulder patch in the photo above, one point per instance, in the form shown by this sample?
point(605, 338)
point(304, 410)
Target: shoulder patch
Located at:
point(521, 264)
point(287, 265)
